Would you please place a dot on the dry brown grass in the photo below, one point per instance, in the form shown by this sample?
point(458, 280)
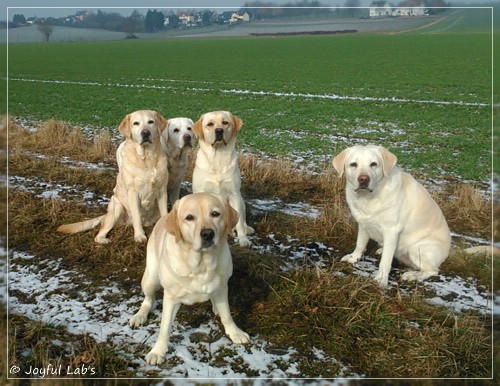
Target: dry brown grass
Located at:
point(3, 234)
point(58, 138)
point(33, 224)
point(40, 341)
point(100, 181)
point(466, 210)
point(377, 334)
point(496, 220)
point(275, 177)
point(5, 122)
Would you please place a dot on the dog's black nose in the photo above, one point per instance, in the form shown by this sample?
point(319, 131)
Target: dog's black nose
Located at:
point(219, 134)
point(145, 133)
point(363, 180)
point(207, 235)
point(187, 138)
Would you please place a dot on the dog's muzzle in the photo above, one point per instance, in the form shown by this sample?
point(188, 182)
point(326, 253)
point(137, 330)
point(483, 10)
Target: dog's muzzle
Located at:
point(219, 138)
point(146, 136)
point(364, 183)
point(219, 135)
point(207, 238)
point(188, 140)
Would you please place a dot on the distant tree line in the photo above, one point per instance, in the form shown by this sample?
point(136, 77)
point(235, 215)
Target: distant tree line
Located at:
point(153, 21)
point(156, 21)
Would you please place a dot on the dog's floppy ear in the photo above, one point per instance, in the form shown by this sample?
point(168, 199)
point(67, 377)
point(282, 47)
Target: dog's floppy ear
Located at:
point(162, 122)
point(166, 133)
point(339, 162)
point(198, 127)
point(125, 126)
point(389, 160)
point(237, 123)
point(172, 223)
point(232, 217)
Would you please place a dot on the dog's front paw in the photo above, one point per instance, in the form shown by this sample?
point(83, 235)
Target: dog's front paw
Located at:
point(154, 358)
point(137, 320)
point(350, 258)
point(249, 230)
point(382, 279)
point(244, 241)
point(141, 238)
point(101, 240)
point(239, 337)
point(418, 275)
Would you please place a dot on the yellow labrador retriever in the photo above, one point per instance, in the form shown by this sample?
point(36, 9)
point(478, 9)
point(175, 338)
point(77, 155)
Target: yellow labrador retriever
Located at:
point(216, 169)
point(394, 210)
point(178, 138)
point(178, 142)
point(140, 193)
point(188, 255)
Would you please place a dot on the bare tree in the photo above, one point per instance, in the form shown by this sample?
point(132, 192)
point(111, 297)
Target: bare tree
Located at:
point(46, 29)
point(132, 24)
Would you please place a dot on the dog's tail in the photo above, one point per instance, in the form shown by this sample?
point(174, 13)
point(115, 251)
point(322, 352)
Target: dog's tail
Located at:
point(483, 250)
point(81, 226)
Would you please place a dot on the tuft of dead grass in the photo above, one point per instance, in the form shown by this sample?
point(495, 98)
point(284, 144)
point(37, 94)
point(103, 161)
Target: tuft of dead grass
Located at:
point(33, 224)
point(496, 220)
point(5, 122)
point(58, 138)
point(276, 177)
point(466, 209)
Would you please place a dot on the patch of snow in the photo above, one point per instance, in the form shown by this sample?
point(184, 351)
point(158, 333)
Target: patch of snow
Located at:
point(453, 292)
point(299, 209)
point(465, 294)
point(48, 190)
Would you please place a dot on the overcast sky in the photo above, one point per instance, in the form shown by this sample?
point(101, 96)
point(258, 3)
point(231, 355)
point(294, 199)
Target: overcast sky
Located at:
point(49, 7)
point(58, 8)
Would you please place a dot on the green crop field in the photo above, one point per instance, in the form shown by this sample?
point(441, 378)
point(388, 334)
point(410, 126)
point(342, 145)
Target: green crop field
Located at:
point(425, 96)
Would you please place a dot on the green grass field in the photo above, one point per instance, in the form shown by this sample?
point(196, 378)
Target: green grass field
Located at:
point(425, 96)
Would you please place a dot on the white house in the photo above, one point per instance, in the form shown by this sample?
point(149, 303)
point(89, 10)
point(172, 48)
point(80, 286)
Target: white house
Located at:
point(235, 17)
point(384, 9)
point(380, 9)
point(187, 19)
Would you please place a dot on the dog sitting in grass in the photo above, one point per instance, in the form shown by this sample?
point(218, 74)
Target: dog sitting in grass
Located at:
point(394, 210)
point(216, 169)
point(140, 194)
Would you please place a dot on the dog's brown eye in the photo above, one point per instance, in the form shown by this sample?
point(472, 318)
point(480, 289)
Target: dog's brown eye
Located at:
point(176, 130)
point(215, 214)
point(151, 122)
point(189, 129)
point(225, 123)
point(210, 124)
point(136, 123)
point(189, 217)
point(353, 164)
point(373, 164)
